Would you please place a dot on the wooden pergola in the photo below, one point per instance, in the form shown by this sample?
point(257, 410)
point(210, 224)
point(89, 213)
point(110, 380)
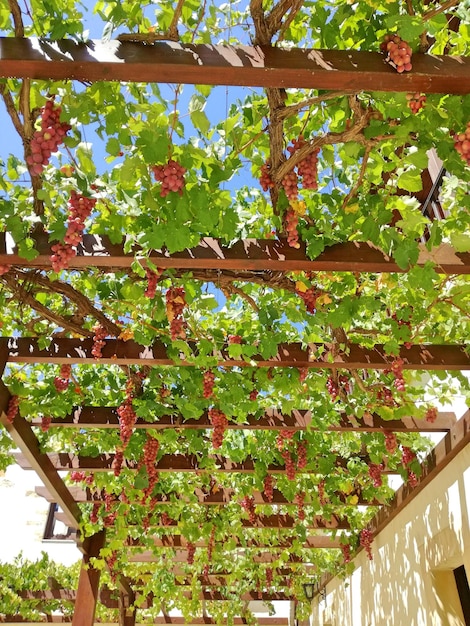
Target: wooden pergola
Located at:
point(255, 66)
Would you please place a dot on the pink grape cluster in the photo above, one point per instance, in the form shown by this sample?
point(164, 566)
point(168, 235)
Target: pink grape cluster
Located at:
point(219, 421)
point(291, 222)
point(397, 370)
point(408, 456)
point(12, 410)
point(61, 382)
point(416, 101)
point(385, 396)
point(303, 372)
point(248, 503)
point(290, 183)
point(62, 253)
point(268, 487)
point(283, 444)
point(265, 179)
point(365, 539)
point(118, 462)
point(171, 176)
point(375, 472)
point(308, 167)
point(98, 341)
point(321, 493)
point(310, 298)
point(151, 447)
point(152, 281)
point(300, 502)
point(208, 381)
point(398, 53)
point(94, 512)
point(234, 339)
point(332, 388)
point(253, 395)
point(191, 552)
point(47, 139)
point(462, 144)
point(175, 303)
point(431, 415)
point(127, 416)
point(269, 576)
point(45, 423)
point(301, 455)
point(391, 442)
point(346, 549)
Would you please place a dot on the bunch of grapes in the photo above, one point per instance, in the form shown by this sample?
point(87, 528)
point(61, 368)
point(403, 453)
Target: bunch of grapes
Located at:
point(152, 281)
point(301, 455)
point(385, 396)
point(61, 382)
point(462, 144)
point(208, 384)
point(310, 298)
point(283, 438)
point(289, 463)
point(300, 501)
point(416, 101)
point(269, 576)
point(265, 179)
point(98, 340)
point(365, 539)
point(290, 224)
point(234, 339)
point(151, 447)
point(321, 493)
point(290, 183)
point(118, 461)
point(303, 373)
point(191, 552)
point(80, 208)
point(391, 442)
point(47, 139)
point(210, 545)
point(398, 53)
point(127, 416)
point(111, 562)
point(45, 423)
point(219, 422)
point(248, 503)
point(308, 167)
point(175, 303)
point(332, 388)
point(346, 549)
point(61, 255)
point(12, 410)
point(431, 415)
point(77, 477)
point(268, 487)
point(397, 370)
point(407, 456)
point(171, 176)
point(165, 519)
point(375, 472)
point(94, 512)
point(253, 395)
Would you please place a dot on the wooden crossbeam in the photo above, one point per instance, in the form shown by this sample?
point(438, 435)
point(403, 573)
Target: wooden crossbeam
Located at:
point(177, 541)
point(220, 497)
point(181, 556)
point(256, 66)
point(272, 419)
point(119, 352)
point(245, 255)
point(88, 582)
point(214, 464)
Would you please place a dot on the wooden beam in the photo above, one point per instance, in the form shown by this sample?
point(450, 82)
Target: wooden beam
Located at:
point(88, 582)
point(245, 255)
point(178, 541)
point(260, 66)
point(118, 352)
point(272, 419)
point(220, 497)
point(24, 437)
point(127, 610)
point(181, 556)
point(214, 464)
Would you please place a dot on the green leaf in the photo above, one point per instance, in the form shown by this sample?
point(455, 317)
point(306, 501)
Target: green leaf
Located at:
point(410, 180)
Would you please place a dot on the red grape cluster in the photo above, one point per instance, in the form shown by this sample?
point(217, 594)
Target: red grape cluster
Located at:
point(290, 223)
point(397, 370)
point(321, 493)
point(365, 539)
point(431, 415)
point(62, 253)
point(80, 208)
point(265, 179)
point(300, 502)
point(175, 303)
point(210, 545)
point(307, 169)
point(462, 144)
point(111, 563)
point(94, 512)
point(248, 503)
point(332, 388)
point(61, 382)
point(253, 395)
point(386, 396)
point(268, 487)
point(269, 576)
point(45, 423)
point(152, 281)
point(412, 479)
point(346, 549)
point(118, 461)
point(407, 456)
point(289, 463)
point(283, 443)
point(208, 384)
point(310, 298)
point(234, 339)
point(165, 519)
point(191, 552)
point(375, 472)
point(398, 53)
point(46, 140)
point(98, 341)
point(151, 447)
point(12, 409)
point(219, 422)
point(391, 442)
point(171, 176)
point(416, 101)
point(301, 455)
point(290, 182)
point(77, 477)
point(127, 416)
point(303, 371)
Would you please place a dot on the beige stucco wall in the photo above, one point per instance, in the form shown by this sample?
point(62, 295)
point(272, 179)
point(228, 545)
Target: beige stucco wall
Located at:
point(410, 581)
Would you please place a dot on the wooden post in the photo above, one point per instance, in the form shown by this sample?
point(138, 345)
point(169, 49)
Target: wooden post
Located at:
point(88, 583)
